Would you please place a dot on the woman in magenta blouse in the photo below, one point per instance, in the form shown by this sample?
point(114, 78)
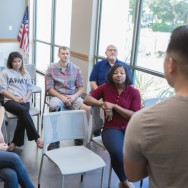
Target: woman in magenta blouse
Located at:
point(120, 102)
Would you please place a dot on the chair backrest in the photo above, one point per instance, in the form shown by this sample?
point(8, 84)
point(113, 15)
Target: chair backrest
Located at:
point(149, 102)
point(65, 125)
point(32, 71)
point(25, 60)
point(46, 94)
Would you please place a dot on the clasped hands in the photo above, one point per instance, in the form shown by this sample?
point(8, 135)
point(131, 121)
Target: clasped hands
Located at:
point(21, 100)
point(108, 109)
point(68, 99)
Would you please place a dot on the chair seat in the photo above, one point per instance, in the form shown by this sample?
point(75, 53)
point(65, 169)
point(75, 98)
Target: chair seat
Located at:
point(75, 159)
point(36, 89)
point(33, 111)
point(98, 140)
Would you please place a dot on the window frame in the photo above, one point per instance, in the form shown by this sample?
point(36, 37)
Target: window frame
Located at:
point(135, 41)
point(52, 37)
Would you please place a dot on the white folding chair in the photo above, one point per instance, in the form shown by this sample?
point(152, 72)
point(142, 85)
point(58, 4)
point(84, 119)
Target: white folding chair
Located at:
point(36, 89)
point(67, 125)
point(33, 112)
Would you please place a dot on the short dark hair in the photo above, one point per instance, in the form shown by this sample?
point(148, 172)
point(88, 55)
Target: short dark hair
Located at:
point(63, 48)
point(109, 80)
point(178, 47)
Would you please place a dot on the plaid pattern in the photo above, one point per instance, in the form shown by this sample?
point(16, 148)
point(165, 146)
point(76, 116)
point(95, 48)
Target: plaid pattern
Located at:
point(64, 83)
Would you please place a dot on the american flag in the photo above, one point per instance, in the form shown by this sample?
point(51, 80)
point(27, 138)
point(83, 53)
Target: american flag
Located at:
point(23, 33)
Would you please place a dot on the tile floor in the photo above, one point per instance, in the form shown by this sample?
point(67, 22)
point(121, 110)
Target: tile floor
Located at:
point(51, 176)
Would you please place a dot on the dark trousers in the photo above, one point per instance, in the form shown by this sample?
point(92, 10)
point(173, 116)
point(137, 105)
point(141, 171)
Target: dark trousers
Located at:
point(113, 140)
point(24, 122)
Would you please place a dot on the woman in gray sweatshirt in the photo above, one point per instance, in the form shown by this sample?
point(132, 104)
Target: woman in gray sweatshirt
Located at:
point(16, 86)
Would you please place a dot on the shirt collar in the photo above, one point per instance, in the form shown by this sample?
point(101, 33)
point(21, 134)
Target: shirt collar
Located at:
point(106, 61)
point(59, 65)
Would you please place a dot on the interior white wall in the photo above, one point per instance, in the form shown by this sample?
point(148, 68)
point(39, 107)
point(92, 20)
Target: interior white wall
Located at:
point(83, 25)
point(7, 48)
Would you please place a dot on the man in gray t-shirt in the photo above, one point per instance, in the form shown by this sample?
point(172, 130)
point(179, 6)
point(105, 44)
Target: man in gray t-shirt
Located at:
point(156, 139)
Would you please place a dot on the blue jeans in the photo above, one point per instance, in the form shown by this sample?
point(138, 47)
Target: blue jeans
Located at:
point(13, 172)
point(113, 140)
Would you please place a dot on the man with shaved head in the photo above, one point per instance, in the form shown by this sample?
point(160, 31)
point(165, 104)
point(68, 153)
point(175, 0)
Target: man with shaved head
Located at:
point(98, 76)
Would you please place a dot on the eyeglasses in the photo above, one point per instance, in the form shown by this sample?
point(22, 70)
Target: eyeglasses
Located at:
point(110, 50)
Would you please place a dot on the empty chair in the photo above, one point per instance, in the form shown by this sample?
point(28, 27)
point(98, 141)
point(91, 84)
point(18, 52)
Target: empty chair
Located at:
point(67, 125)
point(36, 89)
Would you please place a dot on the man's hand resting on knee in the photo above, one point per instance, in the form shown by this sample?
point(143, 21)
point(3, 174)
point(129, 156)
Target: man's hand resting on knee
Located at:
point(68, 99)
point(71, 98)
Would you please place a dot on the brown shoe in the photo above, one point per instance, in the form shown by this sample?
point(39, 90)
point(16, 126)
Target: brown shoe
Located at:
point(11, 147)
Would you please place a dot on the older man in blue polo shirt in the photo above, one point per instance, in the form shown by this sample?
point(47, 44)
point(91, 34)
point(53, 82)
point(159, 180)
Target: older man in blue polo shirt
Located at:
point(98, 76)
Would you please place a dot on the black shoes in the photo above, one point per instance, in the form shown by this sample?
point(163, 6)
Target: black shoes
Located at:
point(78, 142)
point(54, 145)
point(97, 133)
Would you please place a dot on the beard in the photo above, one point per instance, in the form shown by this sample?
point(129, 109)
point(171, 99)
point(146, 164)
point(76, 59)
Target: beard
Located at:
point(112, 58)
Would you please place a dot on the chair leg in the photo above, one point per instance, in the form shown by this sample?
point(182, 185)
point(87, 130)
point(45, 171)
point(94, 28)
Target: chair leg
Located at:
point(8, 131)
point(38, 123)
point(110, 173)
point(42, 115)
point(40, 170)
point(40, 103)
point(141, 182)
point(82, 177)
point(62, 181)
point(102, 177)
point(34, 99)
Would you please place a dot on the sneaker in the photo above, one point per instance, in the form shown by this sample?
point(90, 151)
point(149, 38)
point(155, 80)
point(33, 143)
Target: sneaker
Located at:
point(78, 142)
point(54, 145)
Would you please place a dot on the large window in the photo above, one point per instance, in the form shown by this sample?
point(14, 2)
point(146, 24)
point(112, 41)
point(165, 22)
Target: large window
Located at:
point(151, 86)
point(52, 30)
point(117, 23)
point(63, 20)
point(42, 56)
point(141, 31)
point(159, 18)
point(44, 15)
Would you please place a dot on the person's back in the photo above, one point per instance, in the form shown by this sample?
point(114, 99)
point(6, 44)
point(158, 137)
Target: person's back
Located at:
point(156, 141)
point(162, 136)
